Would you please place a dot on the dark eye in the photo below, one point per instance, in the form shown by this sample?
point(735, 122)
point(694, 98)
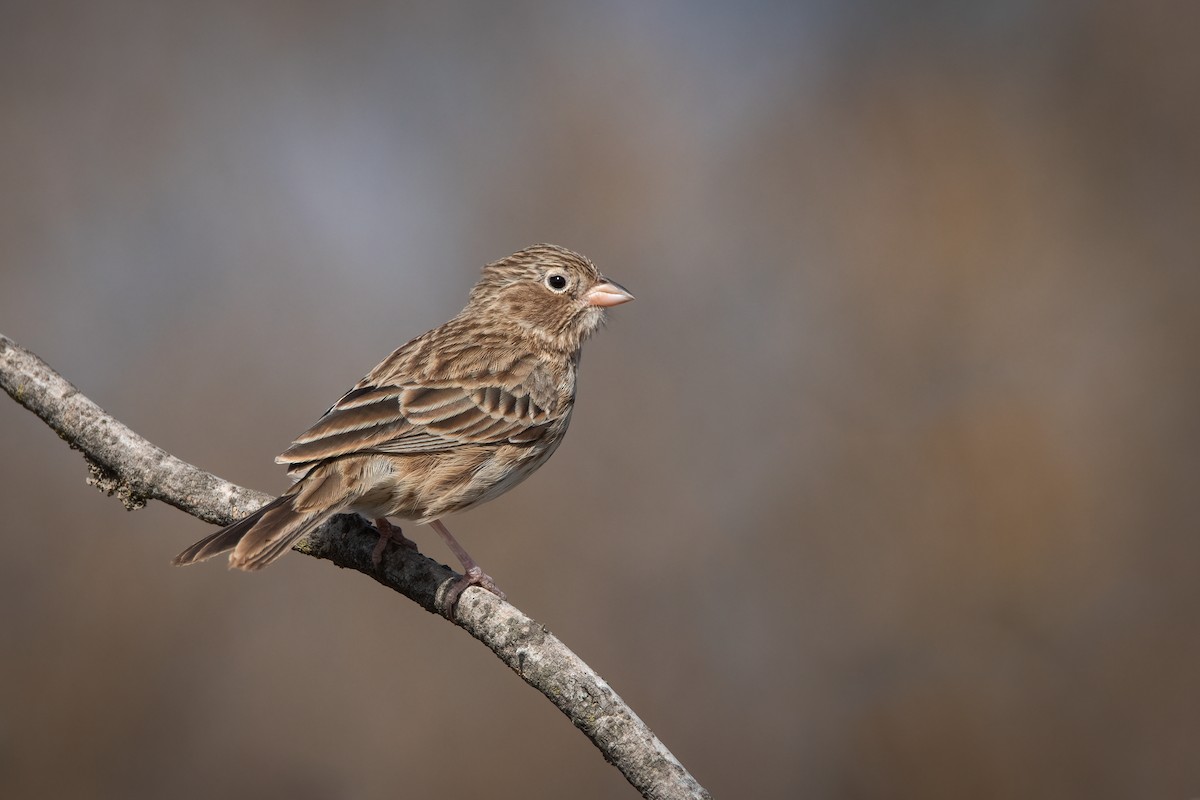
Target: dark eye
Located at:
point(556, 282)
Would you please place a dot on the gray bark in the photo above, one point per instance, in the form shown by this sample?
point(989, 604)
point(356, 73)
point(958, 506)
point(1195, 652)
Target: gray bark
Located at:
point(124, 464)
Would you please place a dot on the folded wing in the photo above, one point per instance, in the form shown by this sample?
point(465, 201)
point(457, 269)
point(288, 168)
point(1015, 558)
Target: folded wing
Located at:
point(410, 419)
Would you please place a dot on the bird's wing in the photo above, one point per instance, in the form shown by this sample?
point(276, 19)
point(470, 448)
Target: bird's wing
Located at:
point(431, 416)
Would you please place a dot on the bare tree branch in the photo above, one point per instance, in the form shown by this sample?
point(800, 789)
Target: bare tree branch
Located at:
point(125, 464)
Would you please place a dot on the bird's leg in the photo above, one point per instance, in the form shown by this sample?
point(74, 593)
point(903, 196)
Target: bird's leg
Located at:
point(389, 533)
point(472, 574)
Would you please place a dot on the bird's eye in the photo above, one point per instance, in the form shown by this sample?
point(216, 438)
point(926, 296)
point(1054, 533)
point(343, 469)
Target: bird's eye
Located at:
point(556, 282)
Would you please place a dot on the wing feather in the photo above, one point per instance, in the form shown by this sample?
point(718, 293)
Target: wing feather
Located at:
point(424, 418)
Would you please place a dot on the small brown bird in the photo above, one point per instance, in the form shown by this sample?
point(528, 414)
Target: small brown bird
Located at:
point(454, 418)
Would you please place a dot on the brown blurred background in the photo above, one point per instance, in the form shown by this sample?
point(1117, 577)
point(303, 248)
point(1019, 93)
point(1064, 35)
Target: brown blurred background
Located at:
point(886, 486)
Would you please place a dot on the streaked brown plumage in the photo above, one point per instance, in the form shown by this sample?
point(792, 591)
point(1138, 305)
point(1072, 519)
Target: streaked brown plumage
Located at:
point(454, 418)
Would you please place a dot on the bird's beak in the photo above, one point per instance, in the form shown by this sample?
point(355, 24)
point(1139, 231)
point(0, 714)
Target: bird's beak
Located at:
point(607, 293)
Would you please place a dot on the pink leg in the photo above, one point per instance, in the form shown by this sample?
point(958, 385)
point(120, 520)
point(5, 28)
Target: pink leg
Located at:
point(389, 533)
point(473, 575)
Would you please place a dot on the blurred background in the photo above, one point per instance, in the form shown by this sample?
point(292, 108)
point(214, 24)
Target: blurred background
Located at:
point(886, 486)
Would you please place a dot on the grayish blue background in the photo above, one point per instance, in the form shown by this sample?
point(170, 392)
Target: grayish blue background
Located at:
point(884, 487)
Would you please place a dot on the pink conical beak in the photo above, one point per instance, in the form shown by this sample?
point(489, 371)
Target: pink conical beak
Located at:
point(607, 293)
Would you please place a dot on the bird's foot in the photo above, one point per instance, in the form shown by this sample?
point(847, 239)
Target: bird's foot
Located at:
point(474, 577)
point(389, 533)
point(472, 574)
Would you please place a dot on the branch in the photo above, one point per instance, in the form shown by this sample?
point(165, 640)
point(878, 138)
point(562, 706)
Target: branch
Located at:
point(125, 464)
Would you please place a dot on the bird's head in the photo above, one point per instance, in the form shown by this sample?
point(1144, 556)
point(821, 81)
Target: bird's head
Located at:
point(548, 292)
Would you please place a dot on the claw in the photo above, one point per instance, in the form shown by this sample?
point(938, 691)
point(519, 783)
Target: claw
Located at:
point(473, 577)
point(389, 533)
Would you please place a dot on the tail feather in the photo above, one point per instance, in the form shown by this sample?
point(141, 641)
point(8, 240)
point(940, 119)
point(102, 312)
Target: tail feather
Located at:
point(223, 540)
point(259, 538)
point(274, 534)
point(265, 535)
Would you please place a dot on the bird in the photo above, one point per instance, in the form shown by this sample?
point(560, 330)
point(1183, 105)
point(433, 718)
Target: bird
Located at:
point(452, 419)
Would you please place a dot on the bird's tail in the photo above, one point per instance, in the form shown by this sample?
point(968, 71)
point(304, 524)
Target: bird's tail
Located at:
point(262, 537)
